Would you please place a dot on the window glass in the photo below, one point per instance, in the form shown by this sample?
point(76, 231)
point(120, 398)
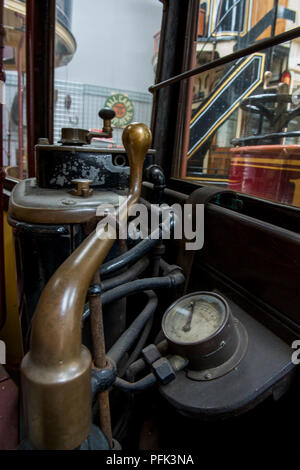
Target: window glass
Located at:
point(227, 25)
point(106, 55)
point(112, 64)
point(241, 127)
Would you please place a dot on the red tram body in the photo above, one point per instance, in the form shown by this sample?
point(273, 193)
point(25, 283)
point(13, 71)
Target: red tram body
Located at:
point(268, 171)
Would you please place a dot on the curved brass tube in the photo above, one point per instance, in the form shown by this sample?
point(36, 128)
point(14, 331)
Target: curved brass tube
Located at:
point(56, 370)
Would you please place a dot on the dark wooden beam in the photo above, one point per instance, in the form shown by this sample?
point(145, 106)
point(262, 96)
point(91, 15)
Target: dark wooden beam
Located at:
point(40, 48)
point(2, 176)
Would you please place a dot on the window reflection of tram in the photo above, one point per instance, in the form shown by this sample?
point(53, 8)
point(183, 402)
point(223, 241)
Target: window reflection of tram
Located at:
point(220, 115)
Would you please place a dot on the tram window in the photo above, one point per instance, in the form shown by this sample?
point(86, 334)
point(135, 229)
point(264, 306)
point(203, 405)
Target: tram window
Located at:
point(102, 48)
point(229, 16)
point(236, 24)
point(242, 119)
point(112, 63)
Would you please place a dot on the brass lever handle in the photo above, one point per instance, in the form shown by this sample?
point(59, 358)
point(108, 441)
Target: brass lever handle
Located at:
point(107, 114)
point(136, 139)
point(56, 370)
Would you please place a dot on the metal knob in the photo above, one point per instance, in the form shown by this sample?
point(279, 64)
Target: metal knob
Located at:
point(107, 114)
point(82, 187)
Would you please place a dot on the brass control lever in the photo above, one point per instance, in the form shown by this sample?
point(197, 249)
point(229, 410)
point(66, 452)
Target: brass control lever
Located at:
point(56, 372)
point(75, 136)
point(107, 114)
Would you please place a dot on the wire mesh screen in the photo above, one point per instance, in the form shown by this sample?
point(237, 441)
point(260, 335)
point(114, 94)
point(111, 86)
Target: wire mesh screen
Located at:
point(76, 105)
point(87, 100)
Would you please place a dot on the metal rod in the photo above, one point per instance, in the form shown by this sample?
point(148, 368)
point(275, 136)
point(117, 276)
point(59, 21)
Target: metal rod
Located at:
point(99, 353)
point(104, 415)
point(30, 14)
point(20, 105)
point(97, 324)
point(2, 176)
point(259, 46)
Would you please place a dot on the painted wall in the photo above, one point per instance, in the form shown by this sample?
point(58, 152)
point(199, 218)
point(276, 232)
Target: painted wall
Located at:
point(115, 43)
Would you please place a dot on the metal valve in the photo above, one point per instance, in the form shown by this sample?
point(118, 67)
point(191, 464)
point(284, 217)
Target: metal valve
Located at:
point(75, 136)
point(107, 114)
point(82, 187)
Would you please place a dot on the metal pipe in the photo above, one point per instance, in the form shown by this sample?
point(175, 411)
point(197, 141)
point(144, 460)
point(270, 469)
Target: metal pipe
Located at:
point(155, 175)
point(173, 279)
point(140, 365)
point(100, 361)
point(127, 339)
point(257, 47)
point(56, 370)
point(135, 368)
point(132, 273)
point(140, 344)
point(138, 386)
point(149, 379)
point(131, 255)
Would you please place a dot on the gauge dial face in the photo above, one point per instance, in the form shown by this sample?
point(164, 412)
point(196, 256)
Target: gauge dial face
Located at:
point(194, 318)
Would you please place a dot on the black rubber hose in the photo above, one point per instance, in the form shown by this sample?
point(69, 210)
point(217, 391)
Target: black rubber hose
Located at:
point(140, 365)
point(135, 368)
point(127, 339)
point(131, 273)
point(138, 386)
point(155, 175)
point(138, 348)
point(131, 255)
point(141, 343)
point(174, 279)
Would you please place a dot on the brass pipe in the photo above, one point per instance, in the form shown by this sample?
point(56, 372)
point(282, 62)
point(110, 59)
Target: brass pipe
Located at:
point(56, 370)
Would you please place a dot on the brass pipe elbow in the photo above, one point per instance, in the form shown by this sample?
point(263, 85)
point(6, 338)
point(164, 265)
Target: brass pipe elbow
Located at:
point(56, 370)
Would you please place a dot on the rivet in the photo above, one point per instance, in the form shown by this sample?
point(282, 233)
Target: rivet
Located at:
point(68, 202)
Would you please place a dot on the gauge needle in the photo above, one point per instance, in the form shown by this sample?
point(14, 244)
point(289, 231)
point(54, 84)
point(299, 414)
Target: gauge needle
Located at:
point(187, 326)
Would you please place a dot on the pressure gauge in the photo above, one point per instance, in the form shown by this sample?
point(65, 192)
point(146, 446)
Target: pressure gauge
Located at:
point(200, 327)
point(194, 318)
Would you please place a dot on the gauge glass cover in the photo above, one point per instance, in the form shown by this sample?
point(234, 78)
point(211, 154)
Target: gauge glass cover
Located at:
point(194, 318)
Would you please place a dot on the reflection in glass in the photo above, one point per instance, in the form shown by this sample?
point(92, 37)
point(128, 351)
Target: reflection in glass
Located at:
point(245, 104)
